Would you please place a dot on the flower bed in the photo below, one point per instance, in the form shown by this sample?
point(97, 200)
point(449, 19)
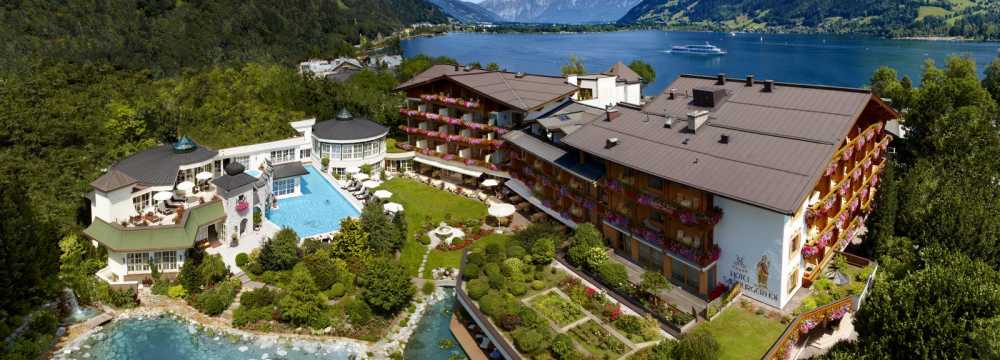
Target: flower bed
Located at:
point(557, 308)
point(598, 341)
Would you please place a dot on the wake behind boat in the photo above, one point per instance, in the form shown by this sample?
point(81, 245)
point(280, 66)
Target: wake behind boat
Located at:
point(707, 49)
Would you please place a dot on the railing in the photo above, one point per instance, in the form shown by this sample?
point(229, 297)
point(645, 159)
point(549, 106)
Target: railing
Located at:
point(784, 347)
point(452, 101)
point(450, 138)
point(416, 114)
point(880, 147)
point(480, 318)
point(682, 213)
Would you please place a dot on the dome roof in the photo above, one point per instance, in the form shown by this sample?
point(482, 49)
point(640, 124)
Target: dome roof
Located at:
point(234, 168)
point(346, 127)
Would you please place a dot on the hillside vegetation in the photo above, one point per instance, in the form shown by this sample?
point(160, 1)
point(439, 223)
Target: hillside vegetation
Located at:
point(893, 18)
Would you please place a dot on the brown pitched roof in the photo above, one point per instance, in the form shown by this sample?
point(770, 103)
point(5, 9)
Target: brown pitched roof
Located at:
point(624, 73)
point(112, 180)
point(525, 92)
point(779, 142)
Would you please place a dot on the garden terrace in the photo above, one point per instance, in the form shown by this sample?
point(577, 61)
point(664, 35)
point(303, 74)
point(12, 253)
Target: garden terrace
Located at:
point(533, 307)
point(743, 332)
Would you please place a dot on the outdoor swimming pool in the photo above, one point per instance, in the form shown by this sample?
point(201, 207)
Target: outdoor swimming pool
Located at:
point(318, 210)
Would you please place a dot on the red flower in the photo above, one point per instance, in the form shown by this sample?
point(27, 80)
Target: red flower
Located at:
point(590, 292)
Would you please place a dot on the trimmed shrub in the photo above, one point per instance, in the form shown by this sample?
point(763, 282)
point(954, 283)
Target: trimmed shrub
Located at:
point(516, 251)
point(697, 345)
point(475, 258)
point(577, 255)
point(217, 299)
point(613, 274)
point(537, 284)
point(543, 251)
point(358, 312)
point(491, 304)
point(177, 292)
point(497, 281)
point(428, 288)
point(492, 269)
point(242, 259)
point(337, 290)
point(494, 252)
point(518, 288)
point(259, 297)
point(509, 322)
point(470, 271)
point(476, 288)
point(529, 340)
point(213, 270)
point(530, 317)
point(244, 316)
point(512, 266)
point(563, 349)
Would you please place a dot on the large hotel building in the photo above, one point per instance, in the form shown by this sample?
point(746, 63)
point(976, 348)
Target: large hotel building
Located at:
point(715, 181)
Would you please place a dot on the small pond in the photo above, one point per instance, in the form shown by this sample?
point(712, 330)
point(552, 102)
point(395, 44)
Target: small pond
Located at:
point(432, 329)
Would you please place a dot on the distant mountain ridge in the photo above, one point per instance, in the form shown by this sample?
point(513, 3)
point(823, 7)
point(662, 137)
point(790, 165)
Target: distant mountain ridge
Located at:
point(465, 11)
point(968, 18)
point(560, 11)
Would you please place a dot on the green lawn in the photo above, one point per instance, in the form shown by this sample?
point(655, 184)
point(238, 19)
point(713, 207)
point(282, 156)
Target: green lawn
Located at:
point(420, 201)
point(925, 11)
point(390, 146)
point(743, 334)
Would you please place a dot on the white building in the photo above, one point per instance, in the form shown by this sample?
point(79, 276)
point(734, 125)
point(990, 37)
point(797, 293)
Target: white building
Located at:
point(618, 84)
point(349, 142)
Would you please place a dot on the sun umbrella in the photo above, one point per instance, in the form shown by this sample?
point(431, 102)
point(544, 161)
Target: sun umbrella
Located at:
point(185, 186)
point(490, 183)
point(383, 194)
point(360, 176)
point(352, 170)
point(371, 184)
point(204, 175)
point(163, 196)
point(392, 207)
point(501, 210)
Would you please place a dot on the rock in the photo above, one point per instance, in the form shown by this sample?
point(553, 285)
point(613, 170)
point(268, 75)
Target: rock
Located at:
point(243, 348)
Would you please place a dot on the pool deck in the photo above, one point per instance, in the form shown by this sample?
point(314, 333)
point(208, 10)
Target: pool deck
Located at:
point(466, 341)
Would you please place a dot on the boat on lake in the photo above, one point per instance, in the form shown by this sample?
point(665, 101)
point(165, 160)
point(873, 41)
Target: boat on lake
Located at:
point(707, 49)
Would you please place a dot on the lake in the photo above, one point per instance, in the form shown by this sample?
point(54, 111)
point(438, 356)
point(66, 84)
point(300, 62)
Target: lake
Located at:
point(815, 59)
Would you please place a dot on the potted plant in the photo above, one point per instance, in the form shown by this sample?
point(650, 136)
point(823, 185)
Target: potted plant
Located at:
point(325, 161)
point(257, 218)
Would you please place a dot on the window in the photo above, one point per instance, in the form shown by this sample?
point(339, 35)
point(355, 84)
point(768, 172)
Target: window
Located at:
point(793, 280)
point(305, 153)
point(165, 260)
point(346, 151)
point(142, 201)
point(688, 200)
point(359, 150)
point(284, 155)
point(243, 160)
point(794, 245)
point(689, 238)
point(586, 94)
point(283, 187)
point(338, 172)
point(655, 182)
point(138, 261)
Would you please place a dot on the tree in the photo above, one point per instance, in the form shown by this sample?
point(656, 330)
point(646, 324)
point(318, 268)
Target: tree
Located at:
point(385, 286)
point(412, 66)
point(213, 269)
point(992, 80)
point(698, 344)
point(885, 83)
point(280, 252)
point(323, 269)
point(574, 66)
point(29, 248)
point(493, 66)
point(384, 237)
point(351, 241)
point(653, 281)
point(920, 314)
point(303, 303)
point(189, 276)
point(587, 234)
point(645, 71)
point(544, 251)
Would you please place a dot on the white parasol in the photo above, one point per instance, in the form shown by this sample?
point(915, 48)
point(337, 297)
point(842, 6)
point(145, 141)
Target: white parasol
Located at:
point(163, 196)
point(490, 183)
point(185, 186)
point(360, 176)
point(392, 207)
point(204, 175)
point(352, 170)
point(501, 210)
point(383, 194)
point(371, 184)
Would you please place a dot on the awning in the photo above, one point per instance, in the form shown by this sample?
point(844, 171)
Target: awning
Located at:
point(445, 166)
point(521, 189)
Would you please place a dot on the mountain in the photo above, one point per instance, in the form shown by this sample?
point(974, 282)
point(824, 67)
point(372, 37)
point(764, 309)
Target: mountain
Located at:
point(465, 11)
point(166, 36)
point(560, 11)
point(967, 18)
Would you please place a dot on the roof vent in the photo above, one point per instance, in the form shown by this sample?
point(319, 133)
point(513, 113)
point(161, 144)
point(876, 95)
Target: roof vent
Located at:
point(708, 97)
point(696, 119)
point(685, 141)
point(768, 85)
point(519, 74)
point(671, 96)
point(611, 114)
point(610, 143)
point(467, 68)
point(344, 115)
point(234, 168)
point(723, 139)
point(184, 145)
point(749, 80)
point(720, 79)
point(669, 123)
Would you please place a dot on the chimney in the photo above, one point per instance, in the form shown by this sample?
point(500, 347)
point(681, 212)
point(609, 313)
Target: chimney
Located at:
point(610, 142)
point(671, 96)
point(723, 139)
point(611, 114)
point(456, 67)
point(750, 80)
point(669, 123)
point(721, 79)
point(696, 119)
point(768, 85)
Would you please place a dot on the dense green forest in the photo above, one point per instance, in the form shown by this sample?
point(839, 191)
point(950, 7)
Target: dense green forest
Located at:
point(84, 83)
point(891, 18)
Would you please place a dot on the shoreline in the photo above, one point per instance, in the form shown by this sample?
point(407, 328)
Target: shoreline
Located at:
point(395, 340)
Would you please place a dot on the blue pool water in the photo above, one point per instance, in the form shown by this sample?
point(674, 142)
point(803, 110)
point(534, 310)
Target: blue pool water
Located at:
point(318, 210)
point(434, 327)
point(169, 338)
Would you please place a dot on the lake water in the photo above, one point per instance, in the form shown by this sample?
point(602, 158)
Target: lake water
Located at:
point(816, 59)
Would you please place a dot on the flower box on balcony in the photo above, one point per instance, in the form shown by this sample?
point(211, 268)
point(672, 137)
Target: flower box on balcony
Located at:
point(242, 206)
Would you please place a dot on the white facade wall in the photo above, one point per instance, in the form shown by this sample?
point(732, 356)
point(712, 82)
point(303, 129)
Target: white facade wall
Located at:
point(117, 263)
point(235, 218)
point(753, 242)
point(630, 93)
point(115, 206)
point(376, 159)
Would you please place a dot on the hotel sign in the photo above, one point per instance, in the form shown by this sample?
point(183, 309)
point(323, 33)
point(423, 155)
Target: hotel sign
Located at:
point(754, 281)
